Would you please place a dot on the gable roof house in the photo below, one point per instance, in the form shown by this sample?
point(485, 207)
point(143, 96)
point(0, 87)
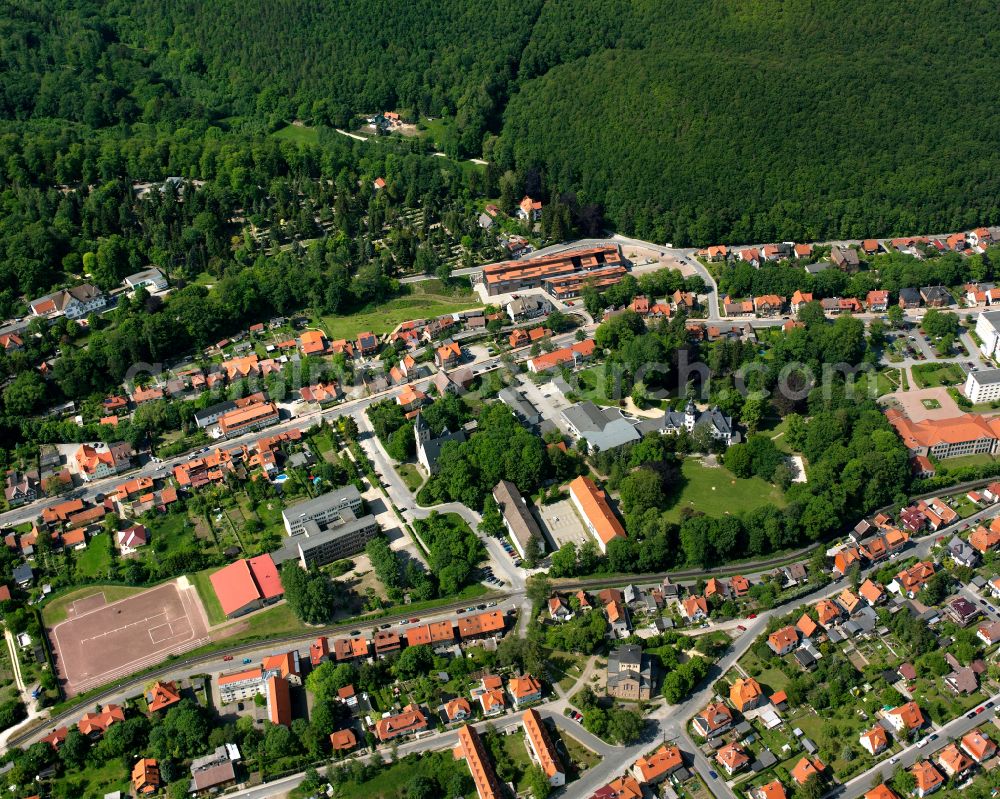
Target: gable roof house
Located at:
point(927, 778)
point(746, 694)
point(713, 720)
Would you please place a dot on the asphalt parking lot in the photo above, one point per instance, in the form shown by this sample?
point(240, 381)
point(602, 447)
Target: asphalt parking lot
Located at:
point(561, 524)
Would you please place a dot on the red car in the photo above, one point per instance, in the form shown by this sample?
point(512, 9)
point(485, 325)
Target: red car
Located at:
point(752, 616)
point(414, 621)
point(228, 657)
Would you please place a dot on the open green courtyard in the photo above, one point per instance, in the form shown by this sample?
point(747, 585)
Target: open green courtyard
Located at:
point(932, 375)
point(716, 492)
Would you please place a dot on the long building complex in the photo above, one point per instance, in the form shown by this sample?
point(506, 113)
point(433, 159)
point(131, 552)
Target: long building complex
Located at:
point(968, 434)
point(563, 275)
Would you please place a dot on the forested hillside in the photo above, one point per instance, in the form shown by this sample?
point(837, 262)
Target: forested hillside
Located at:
point(688, 120)
point(744, 121)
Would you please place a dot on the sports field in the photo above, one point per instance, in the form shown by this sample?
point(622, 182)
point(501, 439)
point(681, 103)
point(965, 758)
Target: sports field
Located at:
point(100, 641)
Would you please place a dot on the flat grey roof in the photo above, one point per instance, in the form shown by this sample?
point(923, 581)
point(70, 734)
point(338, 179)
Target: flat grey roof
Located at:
point(313, 537)
point(986, 376)
point(345, 495)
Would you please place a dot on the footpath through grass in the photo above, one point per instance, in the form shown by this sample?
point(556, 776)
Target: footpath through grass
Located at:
point(716, 492)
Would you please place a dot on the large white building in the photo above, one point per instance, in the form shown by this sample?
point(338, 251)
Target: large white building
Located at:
point(988, 330)
point(983, 386)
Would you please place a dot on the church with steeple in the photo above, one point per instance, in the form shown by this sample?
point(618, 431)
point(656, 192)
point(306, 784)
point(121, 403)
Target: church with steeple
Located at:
point(429, 445)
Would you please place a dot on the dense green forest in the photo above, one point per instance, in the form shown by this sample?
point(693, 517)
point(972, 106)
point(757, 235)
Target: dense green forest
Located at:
point(688, 121)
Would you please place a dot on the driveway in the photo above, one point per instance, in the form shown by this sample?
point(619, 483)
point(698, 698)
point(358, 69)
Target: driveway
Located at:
point(912, 403)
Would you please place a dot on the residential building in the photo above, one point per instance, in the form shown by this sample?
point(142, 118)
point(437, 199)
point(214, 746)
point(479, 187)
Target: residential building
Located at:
point(911, 580)
point(927, 778)
point(145, 776)
point(775, 790)
point(877, 301)
point(214, 772)
point(954, 762)
point(527, 307)
point(524, 690)
point(529, 210)
point(988, 331)
point(882, 791)
point(936, 296)
point(806, 769)
point(655, 768)
point(254, 416)
point(490, 623)
point(783, 641)
point(569, 357)
point(592, 505)
point(458, 709)
point(21, 487)
point(105, 460)
point(73, 303)
point(909, 298)
point(161, 696)
point(875, 741)
point(410, 720)
point(977, 745)
point(471, 749)
point(845, 258)
point(732, 757)
point(279, 699)
point(714, 720)
point(746, 694)
point(491, 696)
point(905, 718)
point(541, 749)
point(94, 725)
point(982, 386)
point(521, 525)
point(343, 740)
point(629, 674)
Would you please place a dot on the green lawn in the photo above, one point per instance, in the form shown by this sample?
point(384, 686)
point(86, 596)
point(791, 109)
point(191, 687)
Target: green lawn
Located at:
point(208, 598)
point(438, 766)
point(582, 757)
point(300, 134)
point(516, 750)
point(54, 610)
point(411, 476)
point(437, 129)
point(96, 558)
point(592, 386)
point(982, 459)
point(95, 780)
point(427, 299)
point(931, 375)
point(716, 492)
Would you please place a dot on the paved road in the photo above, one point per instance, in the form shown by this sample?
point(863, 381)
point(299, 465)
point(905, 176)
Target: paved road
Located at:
point(946, 733)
